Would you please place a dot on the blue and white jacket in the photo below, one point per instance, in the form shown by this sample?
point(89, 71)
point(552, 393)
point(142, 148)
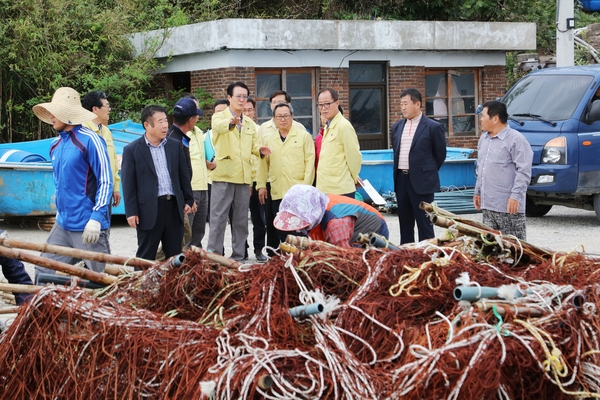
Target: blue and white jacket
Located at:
point(83, 178)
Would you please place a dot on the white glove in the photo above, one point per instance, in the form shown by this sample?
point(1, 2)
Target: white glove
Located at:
point(91, 233)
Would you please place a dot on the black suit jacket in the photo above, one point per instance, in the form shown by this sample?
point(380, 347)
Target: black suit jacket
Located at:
point(140, 182)
point(426, 156)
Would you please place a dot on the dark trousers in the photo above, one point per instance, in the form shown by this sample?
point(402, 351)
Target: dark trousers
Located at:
point(258, 218)
point(272, 233)
point(281, 235)
point(198, 220)
point(14, 272)
point(167, 230)
point(409, 211)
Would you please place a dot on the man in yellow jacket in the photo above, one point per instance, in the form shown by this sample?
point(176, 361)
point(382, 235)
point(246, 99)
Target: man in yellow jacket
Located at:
point(340, 158)
point(97, 102)
point(235, 140)
point(292, 160)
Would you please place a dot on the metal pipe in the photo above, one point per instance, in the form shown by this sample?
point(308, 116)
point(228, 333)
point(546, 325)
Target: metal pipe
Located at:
point(306, 310)
point(265, 381)
point(381, 242)
point(578, 300)
point(177, 260)
point(474, 293)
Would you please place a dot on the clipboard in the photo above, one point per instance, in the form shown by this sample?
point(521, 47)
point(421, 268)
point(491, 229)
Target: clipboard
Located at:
point(209, 149)
point(373, 194)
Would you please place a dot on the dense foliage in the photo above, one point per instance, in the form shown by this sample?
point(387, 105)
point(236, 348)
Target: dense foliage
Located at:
point(46, 44)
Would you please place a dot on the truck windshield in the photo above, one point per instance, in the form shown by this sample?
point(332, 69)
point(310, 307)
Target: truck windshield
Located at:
point(552, 97)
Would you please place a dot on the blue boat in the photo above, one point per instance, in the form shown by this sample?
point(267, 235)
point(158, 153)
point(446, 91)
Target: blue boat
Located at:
point(26, 181)
point(458, 170)
point(27, 185)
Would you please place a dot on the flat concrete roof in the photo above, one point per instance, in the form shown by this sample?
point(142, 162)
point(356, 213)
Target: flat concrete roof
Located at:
point(297, 35)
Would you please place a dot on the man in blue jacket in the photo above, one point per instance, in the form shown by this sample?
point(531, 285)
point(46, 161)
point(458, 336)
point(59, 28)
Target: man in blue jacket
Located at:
point(82, 176)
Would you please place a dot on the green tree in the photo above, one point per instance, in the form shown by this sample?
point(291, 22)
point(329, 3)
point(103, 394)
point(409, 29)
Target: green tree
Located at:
point(46, 44)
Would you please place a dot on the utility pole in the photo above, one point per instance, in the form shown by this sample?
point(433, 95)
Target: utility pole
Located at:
point(565, 25)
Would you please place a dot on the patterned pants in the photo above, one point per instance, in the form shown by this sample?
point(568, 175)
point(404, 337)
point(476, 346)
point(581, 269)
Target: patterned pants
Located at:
point(508, 224)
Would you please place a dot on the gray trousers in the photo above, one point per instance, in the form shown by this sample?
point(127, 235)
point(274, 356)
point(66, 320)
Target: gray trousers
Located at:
point(59, 236)
point(198, 220)
point(225, 195)
point(508, 224)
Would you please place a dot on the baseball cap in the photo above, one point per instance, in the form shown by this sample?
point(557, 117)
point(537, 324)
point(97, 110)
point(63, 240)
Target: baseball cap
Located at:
point(286, 221)
point(186, 107)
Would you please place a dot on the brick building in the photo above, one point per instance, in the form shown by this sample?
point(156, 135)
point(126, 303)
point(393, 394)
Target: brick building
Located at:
point(455, 65)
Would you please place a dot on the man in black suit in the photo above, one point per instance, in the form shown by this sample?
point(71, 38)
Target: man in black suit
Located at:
point(419, 147)
point(156, 186)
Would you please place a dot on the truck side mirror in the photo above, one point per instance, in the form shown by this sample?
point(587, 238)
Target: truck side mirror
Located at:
point(594, 114)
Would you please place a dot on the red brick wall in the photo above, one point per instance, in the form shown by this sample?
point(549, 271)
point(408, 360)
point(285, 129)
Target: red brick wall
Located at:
point(336, 79)
point(493, 82)
point(215, 81)
point(400, 79)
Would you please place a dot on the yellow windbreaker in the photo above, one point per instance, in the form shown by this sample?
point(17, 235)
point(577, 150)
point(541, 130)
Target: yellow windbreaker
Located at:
point(291, 162)
point(340, 158)
point(198, 157)
point(233, 148)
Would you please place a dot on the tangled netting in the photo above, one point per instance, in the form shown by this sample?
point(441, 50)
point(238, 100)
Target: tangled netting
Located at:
point(390, 328)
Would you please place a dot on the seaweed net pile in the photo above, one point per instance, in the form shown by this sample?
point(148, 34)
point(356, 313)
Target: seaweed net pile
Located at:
point(463, 317)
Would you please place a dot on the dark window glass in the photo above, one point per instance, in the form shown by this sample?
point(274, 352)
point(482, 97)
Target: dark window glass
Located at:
point(267, 84)
point(552, 97)
point(302, 108)
point(307, 122)
point(451, 97)
point(365, 114)
point(298, 85)
point(366, 72)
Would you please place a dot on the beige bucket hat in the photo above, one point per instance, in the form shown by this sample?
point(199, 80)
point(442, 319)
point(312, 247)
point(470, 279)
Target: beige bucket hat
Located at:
point(65, 106)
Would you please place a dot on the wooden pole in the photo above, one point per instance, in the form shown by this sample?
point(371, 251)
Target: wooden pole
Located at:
point(10, 310)
point(58, 266)
point(226, 262)
point(16, 288)
point(77, 253)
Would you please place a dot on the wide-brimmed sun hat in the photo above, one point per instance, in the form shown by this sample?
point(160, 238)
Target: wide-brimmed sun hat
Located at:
point(65, 106)
point(303, 206)
point(286, 221)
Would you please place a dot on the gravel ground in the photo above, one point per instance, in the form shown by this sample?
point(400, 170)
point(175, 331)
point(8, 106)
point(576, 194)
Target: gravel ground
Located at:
point(563, 229)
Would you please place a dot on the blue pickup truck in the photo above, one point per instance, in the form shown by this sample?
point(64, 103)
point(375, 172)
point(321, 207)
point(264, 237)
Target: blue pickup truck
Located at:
point(557, 111)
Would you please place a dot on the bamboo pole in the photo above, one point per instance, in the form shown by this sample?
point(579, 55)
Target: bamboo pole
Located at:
point(504, 308)
point(476, 232)
point(58, 266)
point(18, 288)
point(78, 253)
point(303, 242)
point(440, 211)
point(10, 310)
point(222, 260)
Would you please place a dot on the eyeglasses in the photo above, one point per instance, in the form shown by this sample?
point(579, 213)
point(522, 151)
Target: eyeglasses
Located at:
point(240, 97)
point(283, 117)
point(325, 106)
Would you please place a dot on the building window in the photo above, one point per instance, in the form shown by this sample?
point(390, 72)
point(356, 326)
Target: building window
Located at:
point(368, 105)
point(451, 97)
point(299, 83)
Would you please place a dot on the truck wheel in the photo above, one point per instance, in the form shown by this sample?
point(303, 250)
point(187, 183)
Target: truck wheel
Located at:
point(535, 210)
point(597, 205)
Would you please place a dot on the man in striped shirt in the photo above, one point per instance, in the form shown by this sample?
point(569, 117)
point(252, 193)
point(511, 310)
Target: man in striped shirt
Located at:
point(503, 172)
point(419, 145)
